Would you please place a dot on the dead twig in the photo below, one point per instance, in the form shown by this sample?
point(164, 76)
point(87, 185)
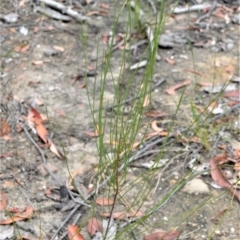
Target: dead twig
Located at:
point(66, 220)
point(65, 10)
point(42, 155)
point(207, 15)
point(198, 7)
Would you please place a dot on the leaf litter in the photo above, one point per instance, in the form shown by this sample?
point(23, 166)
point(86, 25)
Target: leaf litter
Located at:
point(151, 142)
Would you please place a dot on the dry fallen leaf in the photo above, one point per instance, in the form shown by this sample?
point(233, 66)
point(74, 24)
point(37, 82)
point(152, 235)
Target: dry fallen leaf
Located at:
point(58, 48)
point(73, 233)
point(155, 126)
point(54, 149)
point(122, 215)
point(163, 235)
point(37, 63)
point(3, 202)
point(5, 155)
point(171, 90)
point(156, 114)
point(218, 176)
point(104, 201)
point(94, 225)
point(42, 132)
point(234, 93)
point(169, 60)
point(18, 216)
point(22, 48)
point(146, 100)
point(35, 117)
point(195, 72)
point(5, 128)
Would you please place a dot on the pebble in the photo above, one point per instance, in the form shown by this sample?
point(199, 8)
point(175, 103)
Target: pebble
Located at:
point(196, 186)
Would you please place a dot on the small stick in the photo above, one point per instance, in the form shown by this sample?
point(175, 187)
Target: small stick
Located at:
point(178, 10)
point(207, 15)
point(64, 9)
point(74, 223)
point(42, 155)
point(66, 220)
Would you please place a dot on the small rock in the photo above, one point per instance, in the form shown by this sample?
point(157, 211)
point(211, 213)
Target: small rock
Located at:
point(49, 51)
point(236, 18)
point(24, 31)
point(10, 17)
point(196, 186)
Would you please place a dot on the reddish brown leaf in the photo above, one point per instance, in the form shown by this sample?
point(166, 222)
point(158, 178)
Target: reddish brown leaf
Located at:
point(171, 90)
point(232, 103)
point(104, 201)
point(100, 12)
point(195, 72)
point(5, 155)
point(122, 215)
point(73, 233)
point(219, 215)
point(18, 216)
point(90, 134)
point(204, 84)
point(170, 61)
point(22, 48)
point(163, 235)
point(3, 202)
point(34, 116)
point(156, 114)
point(81, 86)
point(104, 5)
point(218, 176)
point(42, 132)
point(5, 128)
point(94, 225)
point(234, 93)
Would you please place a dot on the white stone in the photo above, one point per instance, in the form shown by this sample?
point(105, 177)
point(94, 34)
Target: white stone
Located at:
point(196, 186)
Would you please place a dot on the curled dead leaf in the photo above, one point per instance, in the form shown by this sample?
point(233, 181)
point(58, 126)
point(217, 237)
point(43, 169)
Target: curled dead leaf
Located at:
point(122, 215)
point(73, 233)
point(218, 176)
point(156, 114)
point(171, 90)
point(55, 150)
point(163, 235)
point(94, 225)
point(233, 93)
point(169, 60)
point(58, 48)
point(104, 201)
point(18, 216)
point(5, 128)
point(3, 202)
point(155, 126)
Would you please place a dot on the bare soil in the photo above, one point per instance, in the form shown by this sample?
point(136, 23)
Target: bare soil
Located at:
point(43, 72)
